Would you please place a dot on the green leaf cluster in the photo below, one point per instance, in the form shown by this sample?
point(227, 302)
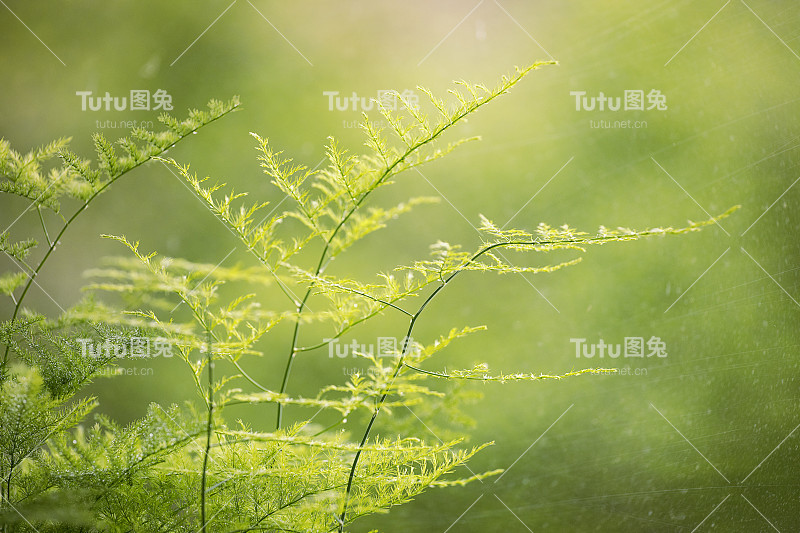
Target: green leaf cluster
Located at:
point(356, 447)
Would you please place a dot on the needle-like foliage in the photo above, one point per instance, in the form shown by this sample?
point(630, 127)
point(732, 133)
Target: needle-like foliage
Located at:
point(196, 467)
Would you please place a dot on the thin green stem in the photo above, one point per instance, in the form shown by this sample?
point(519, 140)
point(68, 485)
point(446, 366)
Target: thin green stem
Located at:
point(209, 430)
point(335, 424)
point(243, 237)
point(502, 378)
point(401, 362)
point(44, 227)
point(438, 131)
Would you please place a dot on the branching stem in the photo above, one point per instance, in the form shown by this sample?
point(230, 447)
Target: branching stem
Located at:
point(209, 431)
point(324, 258)
point(401, 360)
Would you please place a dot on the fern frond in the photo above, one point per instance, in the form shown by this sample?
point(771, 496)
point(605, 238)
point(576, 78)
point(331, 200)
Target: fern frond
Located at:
point(29, 418)
point(344, 406)
point(187, 469)
point(23, 174)
point(480, 372)
point(469, 479)
point(18, 250)
point(362, 224)
point(11, 282)
point(289, 178)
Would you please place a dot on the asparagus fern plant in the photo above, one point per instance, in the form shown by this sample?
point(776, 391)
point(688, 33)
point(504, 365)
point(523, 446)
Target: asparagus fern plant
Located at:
point(190, 467)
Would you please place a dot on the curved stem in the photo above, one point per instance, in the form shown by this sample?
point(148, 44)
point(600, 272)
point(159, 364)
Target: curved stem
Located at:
point(381, 401)
point(324, 255)
point(401, 363)
point(209, 430)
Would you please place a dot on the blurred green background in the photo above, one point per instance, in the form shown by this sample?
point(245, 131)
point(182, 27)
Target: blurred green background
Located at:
point(706, 438)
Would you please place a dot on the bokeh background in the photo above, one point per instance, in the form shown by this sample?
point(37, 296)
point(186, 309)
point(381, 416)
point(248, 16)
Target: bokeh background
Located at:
point(704, 439)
